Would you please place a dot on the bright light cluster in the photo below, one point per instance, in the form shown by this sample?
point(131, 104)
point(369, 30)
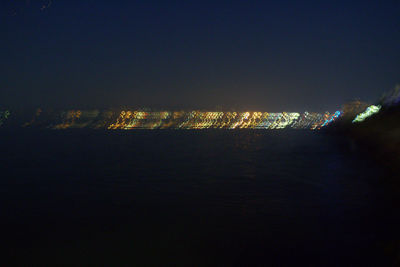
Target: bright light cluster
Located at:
point(221, 120)
point(331, 118)
point(367, 113)
point(195, 119)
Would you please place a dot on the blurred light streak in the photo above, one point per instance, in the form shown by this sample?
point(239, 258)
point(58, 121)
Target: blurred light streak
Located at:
point(195, 119)
point(221, 120)
point(371, 110)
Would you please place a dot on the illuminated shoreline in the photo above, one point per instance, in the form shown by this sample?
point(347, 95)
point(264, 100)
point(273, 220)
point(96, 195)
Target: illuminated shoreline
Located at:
point(139, 119)
point(220, 120)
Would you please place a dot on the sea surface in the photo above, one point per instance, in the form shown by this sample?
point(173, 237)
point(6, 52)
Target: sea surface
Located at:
point(193, 198)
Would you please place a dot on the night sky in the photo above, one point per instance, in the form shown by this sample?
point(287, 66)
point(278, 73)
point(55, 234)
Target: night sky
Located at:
point(256, 55)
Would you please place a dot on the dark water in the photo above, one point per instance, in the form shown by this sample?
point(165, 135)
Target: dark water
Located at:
point(230, 198)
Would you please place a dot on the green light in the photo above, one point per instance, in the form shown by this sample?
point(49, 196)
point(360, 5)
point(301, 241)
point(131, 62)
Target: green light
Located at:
point(367, 113)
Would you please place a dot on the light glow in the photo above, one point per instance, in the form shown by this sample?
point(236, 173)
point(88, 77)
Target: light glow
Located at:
point(371, 110)
point(220, 120)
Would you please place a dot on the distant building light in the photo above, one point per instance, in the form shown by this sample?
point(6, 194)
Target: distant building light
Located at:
point(371, 110)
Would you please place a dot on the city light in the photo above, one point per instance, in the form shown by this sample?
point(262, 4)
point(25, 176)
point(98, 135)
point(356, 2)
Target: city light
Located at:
point(220, 120)
point(184, 120)
point(367, 113)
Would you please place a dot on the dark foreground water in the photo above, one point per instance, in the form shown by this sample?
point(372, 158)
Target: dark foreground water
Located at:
point(230, 198)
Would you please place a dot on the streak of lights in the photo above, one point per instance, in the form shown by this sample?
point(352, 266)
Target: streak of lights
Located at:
point(331, 119)
point(195, 119)
point(68, 119)
point(221, 120)
point(371, 110)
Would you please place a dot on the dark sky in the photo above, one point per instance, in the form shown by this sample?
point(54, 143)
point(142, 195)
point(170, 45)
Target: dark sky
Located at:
point(257, 55)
